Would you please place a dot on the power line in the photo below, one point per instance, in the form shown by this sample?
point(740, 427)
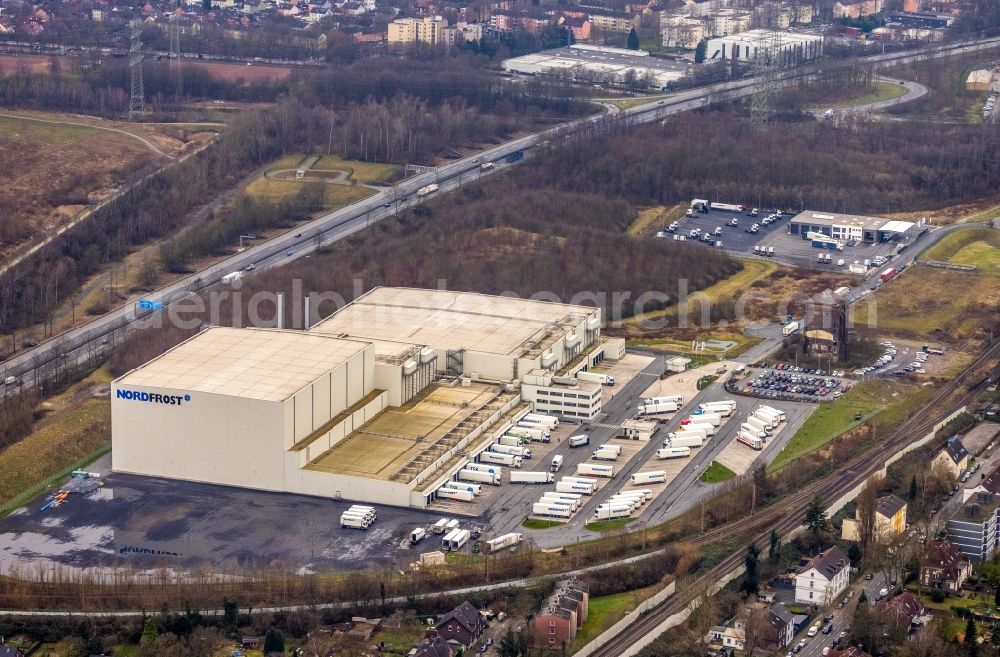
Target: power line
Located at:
point(137, 101)
point(766, 71)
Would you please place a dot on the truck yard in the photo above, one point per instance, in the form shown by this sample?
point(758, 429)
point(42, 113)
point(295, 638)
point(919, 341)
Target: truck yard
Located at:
point(732, 228)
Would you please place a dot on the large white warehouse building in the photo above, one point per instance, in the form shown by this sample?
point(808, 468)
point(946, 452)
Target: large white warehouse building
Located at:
point(384, 401)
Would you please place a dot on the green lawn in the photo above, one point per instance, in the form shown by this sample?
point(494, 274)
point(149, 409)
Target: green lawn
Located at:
point(716, 473)
point(365, 173)
point(626, 103)
point(535, 523)
point(608, 525)
point(883, 91)
point(606, 610)
point(274, 191)
point(979, 247)
point(870, 398)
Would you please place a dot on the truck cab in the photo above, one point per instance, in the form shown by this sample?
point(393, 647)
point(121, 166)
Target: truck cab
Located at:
point(734, 222)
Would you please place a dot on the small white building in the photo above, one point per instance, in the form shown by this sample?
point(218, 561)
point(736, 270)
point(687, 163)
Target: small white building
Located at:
point(825, 577)
point(565, 397)
point(793, 48)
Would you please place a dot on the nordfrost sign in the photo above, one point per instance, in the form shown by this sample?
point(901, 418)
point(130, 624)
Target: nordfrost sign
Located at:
point(152, 397)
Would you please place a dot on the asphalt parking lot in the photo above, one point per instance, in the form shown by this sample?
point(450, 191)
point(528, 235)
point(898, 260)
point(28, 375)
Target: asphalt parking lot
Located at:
point(787, 382)
point(787, 247)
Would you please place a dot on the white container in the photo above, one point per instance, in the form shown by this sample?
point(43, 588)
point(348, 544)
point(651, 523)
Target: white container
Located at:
point(653, 477)
point(673, 453)
point(530, 477)
point(595, 470)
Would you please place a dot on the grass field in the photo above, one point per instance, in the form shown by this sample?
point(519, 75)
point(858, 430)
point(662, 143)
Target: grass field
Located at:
point(887, 400)
point(605, 610)
point(608, 525)
point(365, 173)
point(979, 247)
point(922, 304)
point(53, 172)
point(537, 523)
point(655, 217)
point(716, 473)
point(626, 103)
point(883, 91)
point(275, 191)
point(742, 340)
point(753, 270)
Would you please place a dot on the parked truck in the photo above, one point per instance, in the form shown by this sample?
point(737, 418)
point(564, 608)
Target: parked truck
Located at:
point(683, 440)
point(615, 448)
point(651, 477)
point(709, 429)
point(456, 540)
point(605, 455)
point(595, 470)
point(552, 499)
point(594, 377)
point(477, 476)
point(531, 477)
point(770, 416)
point(750, 431)
point(503, 542)
point(677, 399)
point(574, 487)
point(575, 498)
point(725, 408)
point(513, 441)
point(690, 433)
point(612, 512)
point(474, 488)
point(484, 467)
point(658, 409)
point(579, 440)
point(502, 459)
point(551, 510)
point(439, 526)
point(715, 419)
point(773, 411)
point(791, 327)
point(530, 432)
point(727, 207)
point(556, 464)
point(523, 452)
point(427, 190)
point(449, 493)
point(351, 521)
point(760, 425)
point(417, 535)
point(549, 421)
point(752, 442)
point(673, 453)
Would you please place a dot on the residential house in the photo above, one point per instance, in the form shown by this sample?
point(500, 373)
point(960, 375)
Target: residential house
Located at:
point(780, 628)
point(974, 529)
point(563, 614)
point(463, 624)
point(730, 638)
point(823, 578)
point(890, 520)
point(857, 8)
point(989, 484)
point(729, 21)
point(905, 609)
point(407, 31)
point(702, 8)
point(436, 647)
point(944, 567)
point(953, 459)
point(612, 21)
point(682, 32)
point(580, 26)
point(461, 32)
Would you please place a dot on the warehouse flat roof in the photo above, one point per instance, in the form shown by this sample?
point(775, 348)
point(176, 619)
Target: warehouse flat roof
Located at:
point(756, 37)
point(897, 226)
point(838, 219)
point(270, 365)
point(444, 319)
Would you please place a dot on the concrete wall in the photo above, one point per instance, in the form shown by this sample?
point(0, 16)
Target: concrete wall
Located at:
point(328, 396)
point(620, 626)
point(341, 430)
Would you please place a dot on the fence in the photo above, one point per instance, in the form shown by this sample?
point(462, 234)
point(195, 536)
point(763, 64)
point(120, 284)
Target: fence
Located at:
point(630, 618)
point(28, 494)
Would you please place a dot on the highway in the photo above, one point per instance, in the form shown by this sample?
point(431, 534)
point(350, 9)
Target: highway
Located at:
point(102, 333)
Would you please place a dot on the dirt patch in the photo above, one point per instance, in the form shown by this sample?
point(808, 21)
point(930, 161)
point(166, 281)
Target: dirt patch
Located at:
point(244, 73)
point(11, 64)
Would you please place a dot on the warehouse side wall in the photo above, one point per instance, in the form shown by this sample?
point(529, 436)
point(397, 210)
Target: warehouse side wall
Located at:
point(206, 437)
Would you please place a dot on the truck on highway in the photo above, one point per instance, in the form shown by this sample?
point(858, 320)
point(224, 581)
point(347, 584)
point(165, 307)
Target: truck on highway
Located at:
point(595, 470)
point(791, 327)
point(551, 510)
point(575, 487)
point(657, 410)
point(531, 477)
point(673, 453)
point(593, 377)
point(502, 459)
point(682, 440)
point(605, 455)
point(505, 541)
point(476, 476)
point(523, 452)
point(753, 442)
point(651, 477)
point(232, 277)
point(612, 512)
point(427, 190)
point(888, 274)
point(487, 166)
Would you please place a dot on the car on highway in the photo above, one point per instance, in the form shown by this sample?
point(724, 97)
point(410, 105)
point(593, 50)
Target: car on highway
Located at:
point(387, 205)
point(297, 235)
point(250, 267)
point(288, 253)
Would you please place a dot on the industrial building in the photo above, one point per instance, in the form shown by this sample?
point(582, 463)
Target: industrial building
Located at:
point(383, 401)
point(850, 228)
point(794, 48)
point(599, 64)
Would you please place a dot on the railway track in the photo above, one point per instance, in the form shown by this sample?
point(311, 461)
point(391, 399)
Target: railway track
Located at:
point(785, 515)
